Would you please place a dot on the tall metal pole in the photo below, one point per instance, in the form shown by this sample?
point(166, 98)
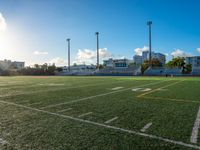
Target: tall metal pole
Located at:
point(149, 23)
point(68, 40)
point(97, 34)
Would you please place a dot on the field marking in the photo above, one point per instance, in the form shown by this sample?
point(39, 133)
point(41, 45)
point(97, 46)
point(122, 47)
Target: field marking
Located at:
point(24, 102)
point(2, 141)
point(145, 90)
point(146, 127)
point(85, 114)
point(111, 120)
point(64, 110)
point(195, 129)
point(159, 88)
point(50, 84)
point(36, 103)
point(107, 126)
point(170, 99)
point(163, 89)
point(58, 89)
point(136, 89)
point(94, 96)
point(117, 88)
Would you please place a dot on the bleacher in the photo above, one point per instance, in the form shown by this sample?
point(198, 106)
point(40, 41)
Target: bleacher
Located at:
point(155, 71)
point(160, 71)
point(130, 71)
point(196, 71)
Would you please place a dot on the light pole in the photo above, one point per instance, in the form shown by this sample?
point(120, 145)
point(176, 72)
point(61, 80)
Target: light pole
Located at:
point(149, 23)
point(97, 34)
point(68, 41)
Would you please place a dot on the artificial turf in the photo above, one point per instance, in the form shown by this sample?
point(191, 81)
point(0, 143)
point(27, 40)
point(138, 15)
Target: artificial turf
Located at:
point(30, 116)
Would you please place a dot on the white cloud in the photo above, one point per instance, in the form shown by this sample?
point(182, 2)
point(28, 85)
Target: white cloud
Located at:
point(138, 51)
point(198, 50)
point(3, 24)
point(58, 61)
point(88, 56)
point(179, 53)
point(40, 53)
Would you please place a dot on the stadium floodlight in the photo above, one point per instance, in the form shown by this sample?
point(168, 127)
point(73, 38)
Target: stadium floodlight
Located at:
point(97, 34)
point(68, 40)
point(149, 23)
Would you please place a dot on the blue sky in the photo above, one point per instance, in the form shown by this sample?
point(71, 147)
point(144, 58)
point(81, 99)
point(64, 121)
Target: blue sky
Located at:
point(36, 30)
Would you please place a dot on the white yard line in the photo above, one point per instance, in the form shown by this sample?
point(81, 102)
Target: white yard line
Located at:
point(36, 103)
point(2, 141)
point(195, 130)
point(168, 85)
point(99, 95)
point(117, 88)
point(85, 114)
point(110, 120)
point(63, 88)
point(136, 89)
point(64, 110)
point(145, 90)
point(107, 126)
point(146, 127)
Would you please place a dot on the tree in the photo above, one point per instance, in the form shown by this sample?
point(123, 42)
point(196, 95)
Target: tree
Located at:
point(144, 66)
point(156, 63)
point(51, 69)
point(36, 66)
point(101, 66)
point(176, 62)
point(187, 68)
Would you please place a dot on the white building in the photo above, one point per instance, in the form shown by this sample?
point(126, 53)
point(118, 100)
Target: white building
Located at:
point(8, 64)
point(116, 63)
point(79, 68)
point(194, 61)
point(145, 56)
point(137, 59)
point(160, 57)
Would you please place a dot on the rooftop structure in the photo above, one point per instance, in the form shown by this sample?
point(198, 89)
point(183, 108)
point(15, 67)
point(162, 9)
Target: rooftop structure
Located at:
point(8, 64)
point(116, 63)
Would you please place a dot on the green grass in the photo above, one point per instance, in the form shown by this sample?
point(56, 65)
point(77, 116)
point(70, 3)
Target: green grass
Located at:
point(30, 117)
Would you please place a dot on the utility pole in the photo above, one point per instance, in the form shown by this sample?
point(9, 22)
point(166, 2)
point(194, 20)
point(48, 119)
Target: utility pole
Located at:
point(97, 34)
point(68, 41)
point(149, 23)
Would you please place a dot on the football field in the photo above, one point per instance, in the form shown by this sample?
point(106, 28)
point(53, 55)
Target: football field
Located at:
point(48, 113)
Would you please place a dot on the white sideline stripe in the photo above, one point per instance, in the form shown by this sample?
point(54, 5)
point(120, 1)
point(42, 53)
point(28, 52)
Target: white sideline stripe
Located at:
point(90, 97)
point(136, 89)
point(85, 114)
point(63, 88)
point(34, 103)
point(109, 121)
point(145, 90)
point(195, 129)
point(106, 126)
point(64, 110)
point(146, 127)
point(117, 88)
point(2, 141)
point(161, 89)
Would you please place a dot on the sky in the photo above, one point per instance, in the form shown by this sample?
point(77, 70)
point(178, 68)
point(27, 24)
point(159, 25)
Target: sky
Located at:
point(35, 31)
